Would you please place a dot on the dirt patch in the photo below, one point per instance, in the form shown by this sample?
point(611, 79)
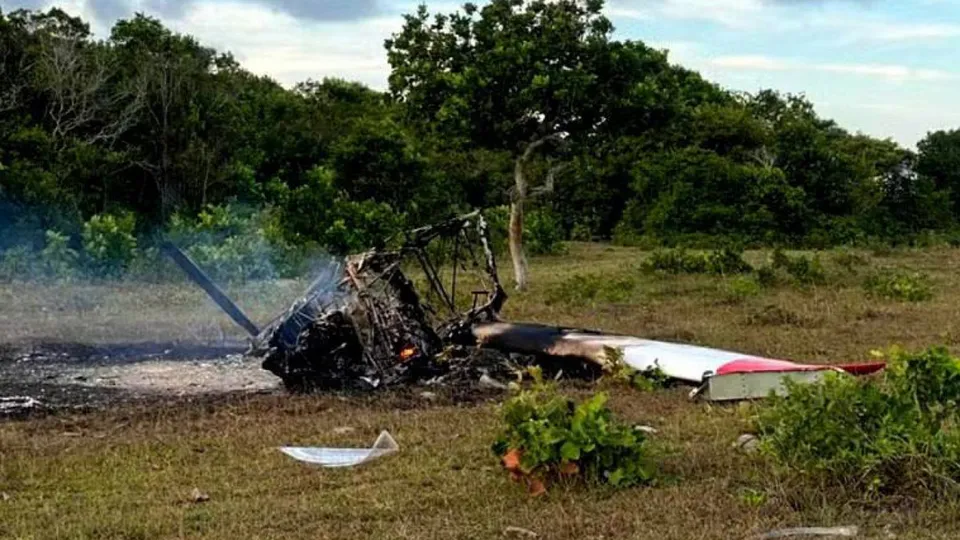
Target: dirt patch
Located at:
point(48, 376)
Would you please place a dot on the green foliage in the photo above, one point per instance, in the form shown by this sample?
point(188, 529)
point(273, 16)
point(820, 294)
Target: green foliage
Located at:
point(17, 263)
point(233, 243)
point(109, 242)
point(542, 233)
point(723, 261)
point(899, 285)
point(59, 259)
point(647, 380)
point(317, 212)
point(592, 288)
point(554, 435)
point(740, 288)
point(896, 433)
point(800, 268)
point(651, 153)
point(753, 497)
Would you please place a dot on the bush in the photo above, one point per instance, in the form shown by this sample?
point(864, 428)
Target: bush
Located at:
point(740, 288)
point(647, 380)
point(804, 270)
point(60, 261)
point(17, 263)
point(109, 243)
point(542, 233)
point(547, 436)
point(235, 243)
point(590, 288)
point(679, 261)
point(727, 261)
point(899, 285)
point(879, 436)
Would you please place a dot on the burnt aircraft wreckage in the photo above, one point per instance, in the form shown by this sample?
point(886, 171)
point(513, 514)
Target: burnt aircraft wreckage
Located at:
point(364, 324)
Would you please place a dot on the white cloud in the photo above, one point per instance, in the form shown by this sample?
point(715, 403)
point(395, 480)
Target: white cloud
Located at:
point(290, 49)
point(885, 71)
point(751, 62)
point(867, 30)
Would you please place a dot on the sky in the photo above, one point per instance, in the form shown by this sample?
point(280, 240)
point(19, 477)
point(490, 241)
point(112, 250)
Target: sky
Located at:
point(884, 67)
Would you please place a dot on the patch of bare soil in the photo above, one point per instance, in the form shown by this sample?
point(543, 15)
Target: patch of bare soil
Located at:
point(53, 376)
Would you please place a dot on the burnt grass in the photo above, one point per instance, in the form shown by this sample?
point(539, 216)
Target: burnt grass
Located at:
point(127, 467)
point(34, 370)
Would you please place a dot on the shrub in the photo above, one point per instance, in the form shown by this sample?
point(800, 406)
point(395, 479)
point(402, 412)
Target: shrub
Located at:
point(899, 432)
point(589, 288)
point(727, 261)
point(676, 261)
point(680, 261)
point(805, 270)
point(547, 436)
point(235, 243)
point(18, 262)
point(767, 276)
point(60, 261)
point(899, 285)
point(109, 243)
point(542, 233)
point(740, 288)
point(646, 380)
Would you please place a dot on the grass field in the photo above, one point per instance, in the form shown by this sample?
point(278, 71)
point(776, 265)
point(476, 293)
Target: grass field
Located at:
point(129, 473)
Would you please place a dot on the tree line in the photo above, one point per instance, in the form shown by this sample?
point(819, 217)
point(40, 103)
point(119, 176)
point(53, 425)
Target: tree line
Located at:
point(528, 107)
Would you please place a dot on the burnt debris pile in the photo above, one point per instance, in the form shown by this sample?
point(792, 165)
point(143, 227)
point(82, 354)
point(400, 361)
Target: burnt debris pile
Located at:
point(363, 324)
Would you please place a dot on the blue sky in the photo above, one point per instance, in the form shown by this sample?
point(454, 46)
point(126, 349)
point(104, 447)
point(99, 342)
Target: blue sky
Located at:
point(887, 68)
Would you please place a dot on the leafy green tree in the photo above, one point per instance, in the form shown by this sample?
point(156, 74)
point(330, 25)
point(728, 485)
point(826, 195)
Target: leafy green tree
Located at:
point(516, 76)
point(939, 160)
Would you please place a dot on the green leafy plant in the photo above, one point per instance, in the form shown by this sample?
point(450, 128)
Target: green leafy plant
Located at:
point(899, 285)
point(235, 243)
point(17, 263)
point(542, 231)
point(646, 380)
point(109, 243)
point(547, 436)
point(802, 269)
point(740, 288)
point(876, 436)
point(753, 497)
point(680, 261)
point(60, 261)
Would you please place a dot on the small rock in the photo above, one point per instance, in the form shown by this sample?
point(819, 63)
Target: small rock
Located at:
point(650, 430)
point(519, 531)
point(198, 496)
point(4, 496)
point(343, 430)
point(747, 443)
point(428, 395)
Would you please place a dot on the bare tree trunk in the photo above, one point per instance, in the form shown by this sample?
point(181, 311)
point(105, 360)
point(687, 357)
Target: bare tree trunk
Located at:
point(515, 234)
point(519, 196)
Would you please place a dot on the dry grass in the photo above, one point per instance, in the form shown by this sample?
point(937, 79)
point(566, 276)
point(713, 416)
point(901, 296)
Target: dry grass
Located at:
point(129, 473)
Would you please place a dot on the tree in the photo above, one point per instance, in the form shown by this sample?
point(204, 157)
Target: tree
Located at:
point(939, 160)
point(519, 76)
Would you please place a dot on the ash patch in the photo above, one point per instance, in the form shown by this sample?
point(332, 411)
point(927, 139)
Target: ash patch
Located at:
point(57, 376)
